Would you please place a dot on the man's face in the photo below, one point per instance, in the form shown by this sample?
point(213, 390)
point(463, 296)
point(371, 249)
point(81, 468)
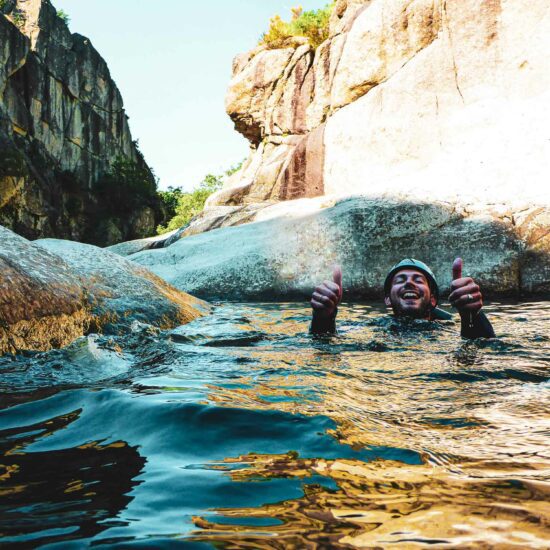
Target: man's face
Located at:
point(410, 294)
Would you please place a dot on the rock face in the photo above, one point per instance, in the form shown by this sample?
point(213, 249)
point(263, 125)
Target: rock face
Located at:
point(421, 126)
point(285, 257)
point(62, 127)
point(444, 99)
point(52, 292)
point(119, 291)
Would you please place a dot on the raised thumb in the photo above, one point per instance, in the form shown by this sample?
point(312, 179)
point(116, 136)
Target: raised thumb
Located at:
point(457, 269)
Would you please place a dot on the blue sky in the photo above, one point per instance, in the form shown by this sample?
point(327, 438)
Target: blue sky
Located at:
point(171, 60)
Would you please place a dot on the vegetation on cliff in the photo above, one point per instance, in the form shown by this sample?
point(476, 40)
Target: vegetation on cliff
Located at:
point(127, 186)
point(313, 25)
point(64, 16)
point(186, 205)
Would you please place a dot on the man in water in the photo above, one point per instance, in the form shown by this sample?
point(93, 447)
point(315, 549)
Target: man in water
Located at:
point(411, 291)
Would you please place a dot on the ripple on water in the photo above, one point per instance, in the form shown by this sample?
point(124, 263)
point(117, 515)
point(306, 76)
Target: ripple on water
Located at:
point(240, 429)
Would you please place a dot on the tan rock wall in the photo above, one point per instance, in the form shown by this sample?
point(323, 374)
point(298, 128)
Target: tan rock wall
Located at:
point(418, 97)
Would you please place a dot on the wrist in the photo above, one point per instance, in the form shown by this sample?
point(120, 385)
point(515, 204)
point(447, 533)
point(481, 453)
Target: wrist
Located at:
point(324, 313)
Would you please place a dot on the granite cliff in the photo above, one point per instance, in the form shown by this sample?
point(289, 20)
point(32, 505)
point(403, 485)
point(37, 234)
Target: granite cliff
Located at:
point(418, 128)
point(64, 136)
point(441, 98)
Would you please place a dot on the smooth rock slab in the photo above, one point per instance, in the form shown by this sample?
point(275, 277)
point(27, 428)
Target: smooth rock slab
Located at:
point(120, 292)
point(52, 292)
point(286, 257)
point(42, 302)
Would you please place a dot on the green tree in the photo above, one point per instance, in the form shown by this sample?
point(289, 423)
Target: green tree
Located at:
point(127, 186)
point(191, 204)
point(313, 25)
point(170, 199)
point(187, 205)
point(64, 16)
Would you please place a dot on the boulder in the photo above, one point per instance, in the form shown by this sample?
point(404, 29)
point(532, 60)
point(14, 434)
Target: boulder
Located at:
point(435, 109)
point(52, 292)
point(42, 302)
point(120, 292)
point(286, 256)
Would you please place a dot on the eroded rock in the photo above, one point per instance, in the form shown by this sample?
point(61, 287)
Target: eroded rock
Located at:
point(287, 255)
point(419, 98)
point(120, 292)
point(52, 292)
point(42, 302)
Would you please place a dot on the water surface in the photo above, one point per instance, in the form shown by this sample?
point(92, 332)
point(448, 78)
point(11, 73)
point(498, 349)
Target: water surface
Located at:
point(240, 430)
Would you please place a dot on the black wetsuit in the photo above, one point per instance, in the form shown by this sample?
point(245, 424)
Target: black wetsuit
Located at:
point(478, 326)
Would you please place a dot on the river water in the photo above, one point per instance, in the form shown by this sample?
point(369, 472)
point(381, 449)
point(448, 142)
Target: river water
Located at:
point(240, 430)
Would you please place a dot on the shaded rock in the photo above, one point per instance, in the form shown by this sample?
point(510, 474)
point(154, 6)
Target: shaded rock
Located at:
point(42, 302)
point(285, 257)
point(121, 292)
point(131, 247)
point(62, 126)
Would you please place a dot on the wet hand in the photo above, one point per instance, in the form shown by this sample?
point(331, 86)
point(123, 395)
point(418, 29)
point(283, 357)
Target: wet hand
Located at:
point(328, 295)
point(465, 294)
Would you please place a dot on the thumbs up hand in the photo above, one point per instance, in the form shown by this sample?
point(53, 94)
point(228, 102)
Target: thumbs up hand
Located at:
point(465, 293)
point(328, 295)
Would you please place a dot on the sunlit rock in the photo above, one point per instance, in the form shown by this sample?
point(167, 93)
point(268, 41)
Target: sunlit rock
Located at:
point(42, 302)
point(121, 292)
point(52, 292)
point(286, 255)
point(425, 100)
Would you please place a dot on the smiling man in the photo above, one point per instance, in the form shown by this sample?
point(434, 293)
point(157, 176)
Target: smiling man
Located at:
point(411, 291)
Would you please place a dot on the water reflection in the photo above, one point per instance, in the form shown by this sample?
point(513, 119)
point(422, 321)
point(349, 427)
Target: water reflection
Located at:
point(66, 493)
point(241, 430)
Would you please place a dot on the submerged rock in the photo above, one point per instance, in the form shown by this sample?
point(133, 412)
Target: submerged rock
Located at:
point(284, 257)
point(52, 292)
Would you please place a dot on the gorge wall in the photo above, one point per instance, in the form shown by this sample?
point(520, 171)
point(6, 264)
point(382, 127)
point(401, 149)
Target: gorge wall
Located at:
point(419, 128)
point(62, 128)
point(433, 98)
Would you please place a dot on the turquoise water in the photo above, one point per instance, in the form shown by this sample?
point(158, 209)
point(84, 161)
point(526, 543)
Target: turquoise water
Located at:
point(240, 430)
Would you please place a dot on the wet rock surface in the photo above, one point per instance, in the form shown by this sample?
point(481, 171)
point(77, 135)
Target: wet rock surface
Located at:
point(42, 302)
point(52, 292)
point(121, 292)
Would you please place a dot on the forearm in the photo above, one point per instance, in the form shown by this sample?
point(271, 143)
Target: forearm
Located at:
point(323, 325)
point(476, 326)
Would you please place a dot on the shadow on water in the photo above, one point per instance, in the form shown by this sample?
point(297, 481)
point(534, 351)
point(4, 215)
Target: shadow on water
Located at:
point(240, 430)
point(70, 493)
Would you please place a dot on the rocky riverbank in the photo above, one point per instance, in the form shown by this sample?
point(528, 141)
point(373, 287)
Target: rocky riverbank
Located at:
point(418, 128)
point(285, 256)
point(52, 292)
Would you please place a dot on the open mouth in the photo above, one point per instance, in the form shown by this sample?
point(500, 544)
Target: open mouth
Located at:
point(410, 295)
